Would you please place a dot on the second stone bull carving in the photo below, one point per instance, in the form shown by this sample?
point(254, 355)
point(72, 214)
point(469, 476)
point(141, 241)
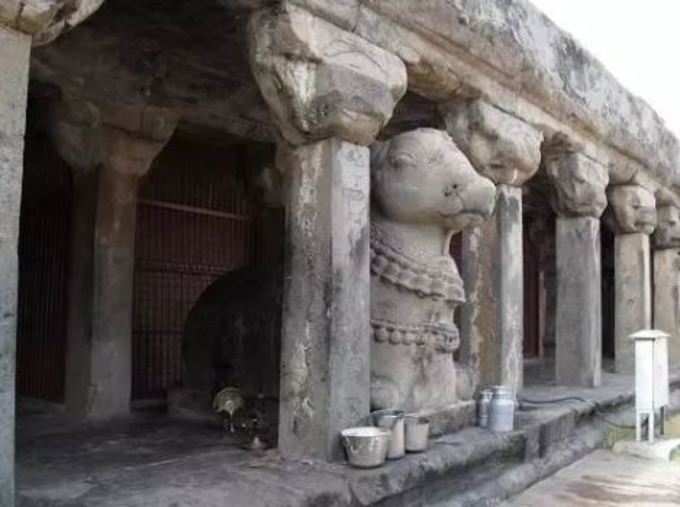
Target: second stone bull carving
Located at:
point(424, 190)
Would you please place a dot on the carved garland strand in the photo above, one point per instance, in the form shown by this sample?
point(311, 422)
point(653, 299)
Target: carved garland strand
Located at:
point(444, 338)
point(437, 282)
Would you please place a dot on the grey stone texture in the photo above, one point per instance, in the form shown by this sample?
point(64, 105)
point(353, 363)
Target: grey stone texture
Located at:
point(578, 325)
point(579, 182)
point(423, 191)
point(107, 160)
point(79, 375)
point(500, 146)
point(14, 61)
point(508, 151)
point(633, 289)
point(45, 20)
point(633, 207)
point(667, 233)
point(634, 216)
point(514, 56)
point(320, 81)
point(509, 284)
point(325, 346)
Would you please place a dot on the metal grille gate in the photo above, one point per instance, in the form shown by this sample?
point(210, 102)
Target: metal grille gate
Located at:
point(192, 227)
point(43, 258)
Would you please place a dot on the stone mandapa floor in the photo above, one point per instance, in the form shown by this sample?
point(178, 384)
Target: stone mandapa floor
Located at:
point(151, 460)
point(605, 479)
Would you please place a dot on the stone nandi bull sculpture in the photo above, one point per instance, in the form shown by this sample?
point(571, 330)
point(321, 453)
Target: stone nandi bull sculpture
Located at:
point(423, 191)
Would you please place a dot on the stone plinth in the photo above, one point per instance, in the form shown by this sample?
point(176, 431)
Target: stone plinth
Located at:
point(578, 325)
point(667, 299)
point(325, 337)
point(14, 60)
point(633, 307)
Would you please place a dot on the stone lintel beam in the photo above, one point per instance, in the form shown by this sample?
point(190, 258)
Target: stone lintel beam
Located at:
point(15, 51)
point(501, 147)
point(579, 200)
point(667, 232)
point(633, 209)
point(45, 20)
point(321, 81)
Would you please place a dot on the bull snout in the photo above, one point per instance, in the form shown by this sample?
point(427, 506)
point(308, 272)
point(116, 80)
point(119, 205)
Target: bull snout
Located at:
point(479, 198)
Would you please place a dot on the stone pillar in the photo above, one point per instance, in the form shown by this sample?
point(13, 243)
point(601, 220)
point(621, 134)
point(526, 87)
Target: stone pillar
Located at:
point(578, 353)
point(14, 60)
point(325, 129)
point(108, 159)
point(667, 278)
point(506, 150)
point(579, 200)
point(634, 219)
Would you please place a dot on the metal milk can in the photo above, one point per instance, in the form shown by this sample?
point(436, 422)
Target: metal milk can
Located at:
point(392, 420)
point(483, 407)
point(502, 409)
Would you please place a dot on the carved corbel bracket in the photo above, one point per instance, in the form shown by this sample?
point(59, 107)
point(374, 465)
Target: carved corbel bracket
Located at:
point(633, 209)
point(45, 20)
point(579, 182)
point(321, 81)
point(667, 233)
point(500, 146)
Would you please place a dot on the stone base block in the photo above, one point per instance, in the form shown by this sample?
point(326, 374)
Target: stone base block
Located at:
point(452, 418)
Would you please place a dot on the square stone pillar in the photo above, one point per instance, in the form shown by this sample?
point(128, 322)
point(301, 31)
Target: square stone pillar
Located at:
point(579, 199)
point(667, 299)
point(325, 342)
point(578, 326)
point(328, 105)
point(633, 210)
point(108, 161)
point(14, 61)
point(506, 150)
point(633, 288)
point(509, 282)
point(80, 292)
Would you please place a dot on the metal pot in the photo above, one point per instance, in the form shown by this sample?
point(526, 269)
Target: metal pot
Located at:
point(392, 420)
point(502, 409)
point(417, 433)
point(366, 446)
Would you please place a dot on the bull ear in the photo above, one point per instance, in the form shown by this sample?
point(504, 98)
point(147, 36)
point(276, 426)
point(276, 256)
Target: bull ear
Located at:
point(379, 150)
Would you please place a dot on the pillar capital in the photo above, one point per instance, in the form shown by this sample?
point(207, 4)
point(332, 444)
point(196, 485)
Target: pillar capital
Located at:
point(667, 233)
point(500, 146)
point(45, 20)
point(321, 81)
point(579, 182)
point(633, 209)
point(75, 129)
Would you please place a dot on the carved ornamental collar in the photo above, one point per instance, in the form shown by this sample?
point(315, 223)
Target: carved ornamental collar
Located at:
point(437, 279)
